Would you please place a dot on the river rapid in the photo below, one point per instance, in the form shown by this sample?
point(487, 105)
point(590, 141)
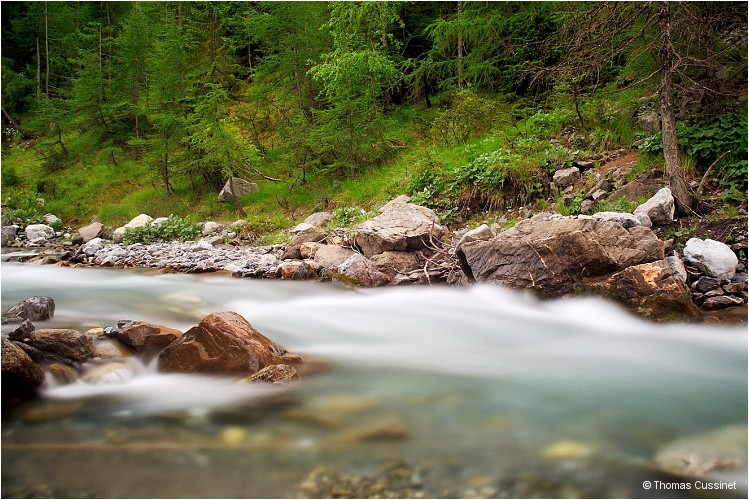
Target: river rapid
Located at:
point(475, 392)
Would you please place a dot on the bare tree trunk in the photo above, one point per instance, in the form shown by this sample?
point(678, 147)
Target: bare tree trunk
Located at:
point(46, 45)
point(460, 47)
point(38, 71)
point(676, 177)
point(102, 95)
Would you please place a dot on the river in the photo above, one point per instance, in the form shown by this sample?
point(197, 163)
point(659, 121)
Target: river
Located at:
point(475, 392)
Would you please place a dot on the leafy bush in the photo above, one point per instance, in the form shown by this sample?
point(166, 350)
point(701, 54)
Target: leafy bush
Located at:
point(174, 228)
point(469, 116)
point(706, 141)
point(26, 210)
point(348, 216)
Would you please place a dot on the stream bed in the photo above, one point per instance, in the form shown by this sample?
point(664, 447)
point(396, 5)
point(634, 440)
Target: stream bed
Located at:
point(425, 392)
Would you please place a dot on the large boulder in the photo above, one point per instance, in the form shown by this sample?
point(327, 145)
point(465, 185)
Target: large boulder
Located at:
point(394, 263)
point(714, 258)
point(36, 308)
point(8, 235)
point(20, 375)
point(235, 189)
point(358, 270)
point(401, 226)
point(88, 233)
point(659, 208)
point(654, 290)
point(39, 233)
point(551, 256)
point(65, 344)
point(142, 335)
point(223, 342)
point(324, 257)
point(141, 220)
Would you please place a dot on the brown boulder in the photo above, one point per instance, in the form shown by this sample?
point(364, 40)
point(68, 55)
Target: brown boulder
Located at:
point(142, 335)
point(20, 375)
point(654, 291)
point(223, 342)
point(62, 343)
point(551, 256)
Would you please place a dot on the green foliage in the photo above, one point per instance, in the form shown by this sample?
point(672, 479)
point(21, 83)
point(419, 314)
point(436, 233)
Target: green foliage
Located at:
point(10, 177)
point(468, 116)
point(571, 206)
point(174, 228)
point(489, 182)
point(706, 141)
point(348, 217)
point(24, 210)
point(680, 235)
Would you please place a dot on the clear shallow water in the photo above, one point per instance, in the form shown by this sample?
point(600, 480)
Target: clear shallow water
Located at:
point(486, 383)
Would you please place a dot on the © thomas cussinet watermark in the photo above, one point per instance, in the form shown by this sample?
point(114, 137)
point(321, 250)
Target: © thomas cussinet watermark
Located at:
point(693, 485)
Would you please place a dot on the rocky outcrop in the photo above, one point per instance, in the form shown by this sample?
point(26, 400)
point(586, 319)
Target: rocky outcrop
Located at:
point(20, 375)
point(36, 308)
point(712, 257)
point(223, 342)
point(401, 226)
point(142, 335)
point(235, 189)
point(551, 256)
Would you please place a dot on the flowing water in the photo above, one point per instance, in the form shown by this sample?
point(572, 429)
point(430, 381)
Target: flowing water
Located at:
point(475, 392)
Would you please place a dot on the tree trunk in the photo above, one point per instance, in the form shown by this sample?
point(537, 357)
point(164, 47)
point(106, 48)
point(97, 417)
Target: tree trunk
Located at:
point(38, 71)
point(460, 47)
point(46, 45)
point(101, 68)
point(676, 176)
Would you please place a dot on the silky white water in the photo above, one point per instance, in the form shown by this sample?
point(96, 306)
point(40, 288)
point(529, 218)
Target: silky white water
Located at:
point(482, 376)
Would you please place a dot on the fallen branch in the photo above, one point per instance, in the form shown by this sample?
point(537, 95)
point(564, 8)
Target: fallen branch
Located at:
point(704, 177)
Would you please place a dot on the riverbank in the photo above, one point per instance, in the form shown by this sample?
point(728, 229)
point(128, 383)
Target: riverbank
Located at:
point(636, 259)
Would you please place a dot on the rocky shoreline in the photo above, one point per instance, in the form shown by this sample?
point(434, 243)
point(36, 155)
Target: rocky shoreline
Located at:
point(616, 255)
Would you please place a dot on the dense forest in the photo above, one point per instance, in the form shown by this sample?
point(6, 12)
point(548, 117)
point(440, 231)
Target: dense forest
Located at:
point(118, 108)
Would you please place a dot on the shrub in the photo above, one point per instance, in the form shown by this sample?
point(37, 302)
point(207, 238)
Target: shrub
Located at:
point(26, 210)
point(174, 228)
point(705, 141)
point(489, 182)
point(469, 116)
